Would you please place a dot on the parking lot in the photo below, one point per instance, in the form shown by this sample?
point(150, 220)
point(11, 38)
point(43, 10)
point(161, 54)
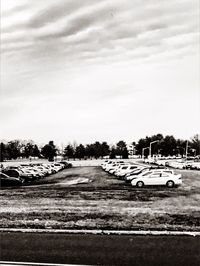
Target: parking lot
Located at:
point(87, 198)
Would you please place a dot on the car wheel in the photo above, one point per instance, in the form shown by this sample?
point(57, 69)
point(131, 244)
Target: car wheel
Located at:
point(140, 184)
point(170, 183)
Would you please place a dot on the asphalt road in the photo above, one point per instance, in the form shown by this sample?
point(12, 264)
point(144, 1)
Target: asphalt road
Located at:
point(100, 249)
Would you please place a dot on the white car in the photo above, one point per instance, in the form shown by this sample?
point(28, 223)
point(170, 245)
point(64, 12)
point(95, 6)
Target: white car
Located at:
point(59, 166)
point(139, 170)
point(113, 168)
point(104, 165)
point(125, 169)
point(195, 166)
point(157, 178)
point(177, 165)
point(117, 167)
point(109, 166)
point(113, 165)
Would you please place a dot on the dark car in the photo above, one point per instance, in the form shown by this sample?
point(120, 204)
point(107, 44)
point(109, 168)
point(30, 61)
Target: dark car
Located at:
point(6, 180)
point(12, 172)
point(18, 174)
point(66, 164)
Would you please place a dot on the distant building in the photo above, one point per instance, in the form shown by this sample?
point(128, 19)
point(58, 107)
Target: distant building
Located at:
point(131, 150)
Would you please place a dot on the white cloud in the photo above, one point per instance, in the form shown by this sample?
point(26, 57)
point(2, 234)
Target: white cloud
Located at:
point(107, 65)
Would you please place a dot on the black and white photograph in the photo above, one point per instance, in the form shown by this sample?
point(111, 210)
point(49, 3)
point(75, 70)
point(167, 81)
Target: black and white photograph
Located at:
point(100, 132)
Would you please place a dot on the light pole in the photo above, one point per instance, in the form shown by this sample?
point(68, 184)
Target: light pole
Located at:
point(186, 150)
point(143, 149)
point(150, 146)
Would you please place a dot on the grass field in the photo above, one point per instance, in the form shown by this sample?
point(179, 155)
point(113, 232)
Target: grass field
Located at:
point(88, 198)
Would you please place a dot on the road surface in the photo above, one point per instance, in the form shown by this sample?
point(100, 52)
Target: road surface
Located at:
point(100, 249)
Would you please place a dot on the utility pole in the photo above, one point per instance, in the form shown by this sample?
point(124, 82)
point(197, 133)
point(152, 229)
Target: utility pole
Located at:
point(186, 150)
point(150, 146)
point(143, 151)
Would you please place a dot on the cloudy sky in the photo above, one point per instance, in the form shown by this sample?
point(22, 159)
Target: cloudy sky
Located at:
point(89, 70)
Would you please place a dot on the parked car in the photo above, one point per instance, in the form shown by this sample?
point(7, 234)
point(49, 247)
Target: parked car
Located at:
point(125, 169)
point(129, 176)
point(140, 169)
point(60, 166)
point(29, 174)
point(115, 167)
point(33, 171)
point(157, 178)
point(104, 165)
point(107, 164)
point(6, 180)
point(66, 164)
point(195, 166)
point(56, 167)
point(18, 173)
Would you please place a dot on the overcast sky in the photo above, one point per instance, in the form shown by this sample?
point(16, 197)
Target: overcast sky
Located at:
point(89, 70)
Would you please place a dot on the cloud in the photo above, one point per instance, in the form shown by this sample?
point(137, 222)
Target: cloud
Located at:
point(79, 30)
point(102, 23)
point(90, 50)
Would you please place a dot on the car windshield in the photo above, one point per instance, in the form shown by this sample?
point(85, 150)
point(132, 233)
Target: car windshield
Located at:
point(147, 173)
point(133, 167)
point(144, 169)
point(136, 169)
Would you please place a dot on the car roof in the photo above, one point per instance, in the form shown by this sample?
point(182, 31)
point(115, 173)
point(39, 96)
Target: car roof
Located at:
point(158, 170)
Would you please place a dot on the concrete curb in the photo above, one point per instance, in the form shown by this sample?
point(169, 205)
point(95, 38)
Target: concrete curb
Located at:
point(12, 263)
point(104, 232)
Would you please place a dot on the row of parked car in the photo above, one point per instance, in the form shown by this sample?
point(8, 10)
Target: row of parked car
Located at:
point(139, 175)
point(192, 163)
point(178, 164)
point(26, 173)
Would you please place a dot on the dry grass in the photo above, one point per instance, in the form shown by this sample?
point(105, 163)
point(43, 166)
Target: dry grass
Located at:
point(104, 202)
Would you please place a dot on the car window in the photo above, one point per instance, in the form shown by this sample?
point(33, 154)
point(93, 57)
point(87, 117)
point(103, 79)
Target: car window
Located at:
point(169, 172)
point(165, 174)
point(125, 167)
point(148, 173)
point(158, 174)
point(133, 167)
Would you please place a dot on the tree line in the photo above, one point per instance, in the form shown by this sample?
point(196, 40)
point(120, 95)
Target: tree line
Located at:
point(164, 146)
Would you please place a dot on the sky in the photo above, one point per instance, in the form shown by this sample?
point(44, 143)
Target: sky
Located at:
point(106, 70)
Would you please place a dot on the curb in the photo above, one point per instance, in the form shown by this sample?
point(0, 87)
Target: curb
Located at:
point(12, 263)
point(104, 232)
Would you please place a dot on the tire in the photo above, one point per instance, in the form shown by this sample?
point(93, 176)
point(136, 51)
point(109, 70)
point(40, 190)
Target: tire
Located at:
point(140, 184)
point(170, 184)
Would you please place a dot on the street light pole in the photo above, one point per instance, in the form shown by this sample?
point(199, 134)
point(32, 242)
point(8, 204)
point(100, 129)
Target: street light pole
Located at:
point(143, 151)
point(150, 146)
point(186, 150)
